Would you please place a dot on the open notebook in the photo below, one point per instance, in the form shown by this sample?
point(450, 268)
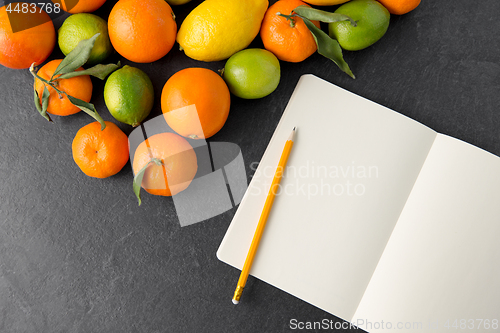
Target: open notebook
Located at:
point(379, 217)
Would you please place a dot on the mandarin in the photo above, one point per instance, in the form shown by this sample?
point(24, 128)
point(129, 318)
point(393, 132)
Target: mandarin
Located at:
point(288, 38)
point(195, 102)
point(80, 6)
point(100, 154)
point(20, 49)
point(400, 7)
point(78, 87)
point(178, 164)
point(142, 30)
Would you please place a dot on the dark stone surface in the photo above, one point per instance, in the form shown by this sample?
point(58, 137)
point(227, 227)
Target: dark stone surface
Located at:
point(78, 255)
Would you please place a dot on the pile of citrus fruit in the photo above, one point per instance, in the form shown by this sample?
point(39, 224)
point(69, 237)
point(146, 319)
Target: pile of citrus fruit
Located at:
point(195, 102)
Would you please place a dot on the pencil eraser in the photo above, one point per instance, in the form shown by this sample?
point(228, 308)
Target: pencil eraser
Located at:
point(235, 301)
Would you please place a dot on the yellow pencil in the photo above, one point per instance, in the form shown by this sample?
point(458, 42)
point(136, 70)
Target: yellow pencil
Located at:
point(263, 218)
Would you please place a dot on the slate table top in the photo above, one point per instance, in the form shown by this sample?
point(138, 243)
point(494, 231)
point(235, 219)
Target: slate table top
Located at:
point(77, 254)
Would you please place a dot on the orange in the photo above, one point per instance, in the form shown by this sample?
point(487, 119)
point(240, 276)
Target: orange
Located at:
point(100, 154)
point(80, 6)
point(195, 102)
point(179, 164)
point(142, 30)
point(289, 39)
point(78, 87)
point(400, 7)
point(33, 45)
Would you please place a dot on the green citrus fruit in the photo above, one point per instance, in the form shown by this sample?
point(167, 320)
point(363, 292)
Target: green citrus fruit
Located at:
point(252, 73)
point(82, 26)
point(372, 22)
point(129, 95)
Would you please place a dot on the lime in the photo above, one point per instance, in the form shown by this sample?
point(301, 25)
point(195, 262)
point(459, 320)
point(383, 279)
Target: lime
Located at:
point(129, 95)
point(372, 22)
point(82, 26)
point(252, 73)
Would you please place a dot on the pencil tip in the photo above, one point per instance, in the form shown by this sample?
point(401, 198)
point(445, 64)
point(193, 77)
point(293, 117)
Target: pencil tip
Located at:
point(292, 135)
point(294, 127)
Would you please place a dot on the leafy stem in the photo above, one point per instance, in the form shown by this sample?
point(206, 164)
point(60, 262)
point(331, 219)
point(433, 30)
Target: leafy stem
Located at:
point(42, 108)
point(138, 177)
point(86, 107)
point(327, 47)
point(69, 68)
point(50, 82)
point(321, 15)
point(289, 18)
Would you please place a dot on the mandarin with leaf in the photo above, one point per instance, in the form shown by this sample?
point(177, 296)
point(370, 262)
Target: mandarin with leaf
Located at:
point(287, 37)
point(164, 164)
point(79, 87)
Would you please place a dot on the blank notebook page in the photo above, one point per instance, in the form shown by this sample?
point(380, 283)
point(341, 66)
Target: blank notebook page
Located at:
point(321, 243)
point(442, 261)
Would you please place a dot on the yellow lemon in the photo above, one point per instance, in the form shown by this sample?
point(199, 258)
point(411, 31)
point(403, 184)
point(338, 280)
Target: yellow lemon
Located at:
point(217, 29)
point(325, 2)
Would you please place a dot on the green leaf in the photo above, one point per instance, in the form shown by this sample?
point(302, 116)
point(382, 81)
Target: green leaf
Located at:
point(328, 47)
point(320, 15)
point(99, 71)
point(39, 106)
point(77, 57)
point(45, 99)
point(88, 108)
point(138, 178)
